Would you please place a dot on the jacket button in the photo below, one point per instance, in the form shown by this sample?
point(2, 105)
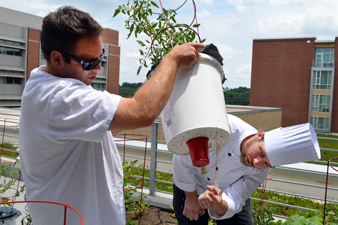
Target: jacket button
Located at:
point(229, 154)
point(208, 179)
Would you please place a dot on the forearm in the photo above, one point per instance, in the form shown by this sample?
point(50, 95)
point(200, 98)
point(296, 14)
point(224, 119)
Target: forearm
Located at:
point(150, 99)
point(191, 195)
point(154, 94)
point(221, 209)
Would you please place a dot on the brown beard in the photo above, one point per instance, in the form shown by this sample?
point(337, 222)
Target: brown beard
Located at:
point(242, 158)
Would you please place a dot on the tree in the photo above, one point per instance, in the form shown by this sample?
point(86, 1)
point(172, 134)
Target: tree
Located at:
point(128, 90)
point(237, 96)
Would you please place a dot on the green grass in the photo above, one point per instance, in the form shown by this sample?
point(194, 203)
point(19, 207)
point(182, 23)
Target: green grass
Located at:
point(275, 197)
point(4, 147)
point(138, 171)
point(292, 200)
point(326, 155)
point(330, 144)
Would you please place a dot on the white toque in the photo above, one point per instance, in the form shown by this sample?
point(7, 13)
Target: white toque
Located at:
point(292, 144)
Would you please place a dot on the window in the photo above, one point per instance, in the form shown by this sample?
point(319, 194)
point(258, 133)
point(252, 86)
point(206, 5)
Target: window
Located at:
point(11, 80)
point(321, 103)
point(11, 42)
point(2, 50)
point(17, 52)
point(17, 80)
point(14, 72)
point(320, 122)
point(42, 56)
point(324, 57)
point(322, 80)
point(98, 86)
point(10, 51)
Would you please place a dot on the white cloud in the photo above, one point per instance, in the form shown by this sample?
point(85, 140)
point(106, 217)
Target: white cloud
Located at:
point(240, 76)
point(204, 13)
point(227, 52)
point(208, 2)
point(231, 25)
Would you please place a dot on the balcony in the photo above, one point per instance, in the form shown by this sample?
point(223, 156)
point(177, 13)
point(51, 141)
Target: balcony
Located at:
point(323, 64)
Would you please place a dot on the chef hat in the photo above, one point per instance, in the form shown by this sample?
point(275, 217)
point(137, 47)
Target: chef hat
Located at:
point(292, 144)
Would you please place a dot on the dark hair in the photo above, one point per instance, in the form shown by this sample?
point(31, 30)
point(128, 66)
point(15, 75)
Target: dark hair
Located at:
point(63, 28)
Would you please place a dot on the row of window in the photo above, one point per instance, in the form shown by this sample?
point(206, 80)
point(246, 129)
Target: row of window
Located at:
point(9, 100)
point(322, 80)
point(11, 72)
point(10, 51)
point(10, 80)
point(11, 42)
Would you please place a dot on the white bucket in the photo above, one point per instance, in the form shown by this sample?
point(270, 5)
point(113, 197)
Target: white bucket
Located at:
point(196, 107)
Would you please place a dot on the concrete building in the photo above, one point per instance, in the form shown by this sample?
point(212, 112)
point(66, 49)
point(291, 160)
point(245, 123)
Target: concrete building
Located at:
point(297, 75)
point(20, 52)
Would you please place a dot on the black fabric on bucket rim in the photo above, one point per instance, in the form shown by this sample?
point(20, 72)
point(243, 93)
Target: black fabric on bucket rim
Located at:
point(209, 49)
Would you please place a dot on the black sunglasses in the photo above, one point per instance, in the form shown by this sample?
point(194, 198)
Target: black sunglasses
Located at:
point(85, 65)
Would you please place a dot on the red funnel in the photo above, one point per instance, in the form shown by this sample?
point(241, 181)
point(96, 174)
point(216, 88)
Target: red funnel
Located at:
point(198, 148)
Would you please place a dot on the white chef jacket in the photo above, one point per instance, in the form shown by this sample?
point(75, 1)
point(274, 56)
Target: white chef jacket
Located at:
point(237, 181)
point(67, 155)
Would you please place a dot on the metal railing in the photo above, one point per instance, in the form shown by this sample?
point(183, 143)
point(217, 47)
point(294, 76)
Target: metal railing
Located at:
point(9, 132)
point(7, 125)
point(323, 64)
point(153, 168)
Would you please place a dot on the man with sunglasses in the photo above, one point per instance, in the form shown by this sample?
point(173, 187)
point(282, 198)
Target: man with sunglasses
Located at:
point(67, 151)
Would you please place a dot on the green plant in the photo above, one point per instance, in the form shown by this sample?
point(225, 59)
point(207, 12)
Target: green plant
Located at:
point(7, 172)
point(7, 150)
point(173, 214)
point(298, 219)
point(261, 214)
point(130, 184)
point(162, 37)
point(6, 179)
point(142, 206)
point(292, 200)
point(27, 219)
point(7, 182)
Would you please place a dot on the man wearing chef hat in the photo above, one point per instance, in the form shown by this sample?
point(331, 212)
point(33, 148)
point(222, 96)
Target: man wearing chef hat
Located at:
point(243, 164)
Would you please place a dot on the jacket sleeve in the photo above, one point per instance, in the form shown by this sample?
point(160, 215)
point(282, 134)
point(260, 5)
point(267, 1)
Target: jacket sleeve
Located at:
point(238, 192)
point(183, 173)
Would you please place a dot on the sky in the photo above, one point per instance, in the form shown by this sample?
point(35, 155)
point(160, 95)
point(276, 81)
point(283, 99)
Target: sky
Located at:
point(231, 25)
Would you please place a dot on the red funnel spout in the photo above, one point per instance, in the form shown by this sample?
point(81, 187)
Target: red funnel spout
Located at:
point(198, 148)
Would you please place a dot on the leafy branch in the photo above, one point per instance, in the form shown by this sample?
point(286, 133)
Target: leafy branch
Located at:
point(164, 32)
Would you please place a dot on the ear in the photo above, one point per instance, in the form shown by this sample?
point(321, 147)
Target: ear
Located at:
point(260, 134)
point(56, 58)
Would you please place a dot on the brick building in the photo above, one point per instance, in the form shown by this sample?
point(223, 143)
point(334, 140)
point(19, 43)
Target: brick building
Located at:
point(297, 75)
point(20, 52)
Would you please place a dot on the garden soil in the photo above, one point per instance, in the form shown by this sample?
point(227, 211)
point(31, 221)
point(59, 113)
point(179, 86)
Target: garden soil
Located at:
point(155, 216)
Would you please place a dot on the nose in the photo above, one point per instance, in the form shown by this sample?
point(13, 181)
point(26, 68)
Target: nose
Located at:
point(257, 161)
point(98, 67)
